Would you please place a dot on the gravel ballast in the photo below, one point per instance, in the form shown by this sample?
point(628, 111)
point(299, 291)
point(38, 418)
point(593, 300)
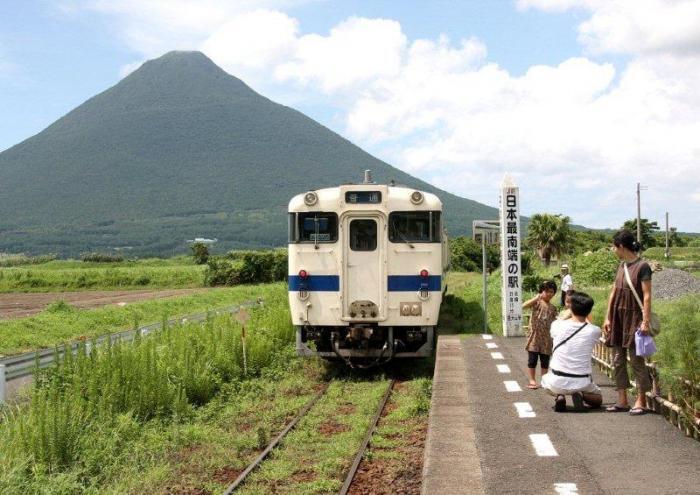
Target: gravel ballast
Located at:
point(670, 283)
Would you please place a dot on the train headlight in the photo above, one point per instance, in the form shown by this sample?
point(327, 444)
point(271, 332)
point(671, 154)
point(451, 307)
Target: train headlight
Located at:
point(303, 274)
point(416, 197)
point(310, 198)
point(424, 273)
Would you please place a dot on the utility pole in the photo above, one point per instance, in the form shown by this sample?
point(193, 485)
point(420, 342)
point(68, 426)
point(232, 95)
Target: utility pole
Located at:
point(639, 216)
point(666, 253)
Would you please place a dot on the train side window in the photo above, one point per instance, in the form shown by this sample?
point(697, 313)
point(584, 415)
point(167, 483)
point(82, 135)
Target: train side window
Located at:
point(291, 228)
point(363, 235)
point(316, 227)
point(414, 226)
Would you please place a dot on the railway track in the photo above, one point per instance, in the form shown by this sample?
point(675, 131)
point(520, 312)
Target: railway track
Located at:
point(263, 455)
point(365, 443)
point(290, 426)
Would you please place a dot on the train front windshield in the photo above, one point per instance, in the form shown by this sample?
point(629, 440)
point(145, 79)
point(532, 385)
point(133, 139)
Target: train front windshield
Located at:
point(414, 226)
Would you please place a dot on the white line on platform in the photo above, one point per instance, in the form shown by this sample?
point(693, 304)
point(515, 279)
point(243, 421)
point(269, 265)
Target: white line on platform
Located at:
point(503, 368)
point(491, 345)
point(496, 355)
point(524, 409)
point(512, 386)
point(543, 445)
point(486, 336)
point(566, 488)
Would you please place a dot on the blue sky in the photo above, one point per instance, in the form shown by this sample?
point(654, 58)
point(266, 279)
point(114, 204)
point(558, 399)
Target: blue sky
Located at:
point(577, 99)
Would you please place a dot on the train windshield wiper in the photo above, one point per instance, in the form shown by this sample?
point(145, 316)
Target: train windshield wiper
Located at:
point(400, 234)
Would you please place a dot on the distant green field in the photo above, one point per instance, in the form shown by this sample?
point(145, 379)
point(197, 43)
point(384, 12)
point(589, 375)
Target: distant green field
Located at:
point(63, 275)
point(677, 254)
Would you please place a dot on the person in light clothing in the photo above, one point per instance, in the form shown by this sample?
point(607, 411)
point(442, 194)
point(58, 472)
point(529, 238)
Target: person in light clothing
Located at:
point(567, 283)
point(570, 370)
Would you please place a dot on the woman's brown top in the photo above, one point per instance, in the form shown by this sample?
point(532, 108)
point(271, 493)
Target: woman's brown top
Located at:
point(625, 313)
point(539, 339)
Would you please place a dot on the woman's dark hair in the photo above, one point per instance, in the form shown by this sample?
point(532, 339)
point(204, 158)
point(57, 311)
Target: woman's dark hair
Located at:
point(547, 285)
point(581, 303)
point(626, 239)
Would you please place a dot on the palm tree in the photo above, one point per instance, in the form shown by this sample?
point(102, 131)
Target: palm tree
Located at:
point(549, 235)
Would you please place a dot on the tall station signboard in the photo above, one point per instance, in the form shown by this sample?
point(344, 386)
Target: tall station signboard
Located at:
point(511, 294)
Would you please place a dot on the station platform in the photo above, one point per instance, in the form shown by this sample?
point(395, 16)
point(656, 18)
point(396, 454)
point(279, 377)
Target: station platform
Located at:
point(489, 434)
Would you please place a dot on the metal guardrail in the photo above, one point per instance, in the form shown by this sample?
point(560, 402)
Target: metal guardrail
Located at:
point(21, 365)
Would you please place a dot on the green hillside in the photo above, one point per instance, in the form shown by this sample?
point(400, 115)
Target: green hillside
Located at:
point(176, 150)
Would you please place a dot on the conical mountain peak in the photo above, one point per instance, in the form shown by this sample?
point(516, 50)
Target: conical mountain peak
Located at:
point(176, 150)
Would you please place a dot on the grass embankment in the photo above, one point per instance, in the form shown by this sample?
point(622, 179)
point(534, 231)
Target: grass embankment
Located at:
point(61, 323)
point(77, 275)
point(462, 308)
point(95, 421)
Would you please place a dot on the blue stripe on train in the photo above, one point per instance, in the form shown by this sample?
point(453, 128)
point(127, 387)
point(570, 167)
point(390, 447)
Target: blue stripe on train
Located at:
point(396, 283)
point(322, 283)
point(410, 283)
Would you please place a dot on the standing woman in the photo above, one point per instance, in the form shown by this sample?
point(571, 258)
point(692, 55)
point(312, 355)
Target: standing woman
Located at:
point(624, 317)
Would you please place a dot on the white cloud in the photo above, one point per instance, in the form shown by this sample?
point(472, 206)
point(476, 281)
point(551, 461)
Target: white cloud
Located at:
point(153, 27)
point(633, 26)
point(253, 41)
point(356, 51)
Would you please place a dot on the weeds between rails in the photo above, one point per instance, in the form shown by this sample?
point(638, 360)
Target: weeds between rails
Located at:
point(278, 439)
point(268, 477)
point(365, 443)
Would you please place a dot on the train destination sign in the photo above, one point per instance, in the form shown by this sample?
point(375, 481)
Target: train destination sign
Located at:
point(363, 197)
point(511, 292)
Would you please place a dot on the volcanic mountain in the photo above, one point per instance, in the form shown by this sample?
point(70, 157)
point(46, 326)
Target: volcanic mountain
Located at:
point(176, 150)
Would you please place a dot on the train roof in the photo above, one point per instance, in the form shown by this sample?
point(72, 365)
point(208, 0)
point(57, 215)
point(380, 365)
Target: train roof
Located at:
point(393, 198)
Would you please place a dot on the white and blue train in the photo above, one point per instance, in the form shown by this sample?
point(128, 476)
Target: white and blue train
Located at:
point(366, 265)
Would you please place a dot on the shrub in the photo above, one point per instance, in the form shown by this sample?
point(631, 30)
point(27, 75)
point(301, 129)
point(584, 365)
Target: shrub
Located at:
point(466, 255)
point(598, 268)
point(7, 260)
point(247, 267)
point(531, 283)
point(679, 350)
point(101, 258)
point(200, 253)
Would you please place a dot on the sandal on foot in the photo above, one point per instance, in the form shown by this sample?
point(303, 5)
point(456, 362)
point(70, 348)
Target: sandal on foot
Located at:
point(637, 411)
point(560, 404)
point(577, 399)
point(533, 386)
point(617, 408)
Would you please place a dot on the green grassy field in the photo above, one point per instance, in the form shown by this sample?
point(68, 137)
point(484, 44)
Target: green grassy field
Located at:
point(61, 322)
point(686, 254)
point(71, 275)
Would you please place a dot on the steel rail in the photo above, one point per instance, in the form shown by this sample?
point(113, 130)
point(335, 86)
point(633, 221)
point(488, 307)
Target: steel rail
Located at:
point(365, 443)
point(21, 365)
point(263, 455)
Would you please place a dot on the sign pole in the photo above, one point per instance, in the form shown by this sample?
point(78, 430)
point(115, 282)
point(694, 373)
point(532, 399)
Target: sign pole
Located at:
point(511, 291)
point(483, 271)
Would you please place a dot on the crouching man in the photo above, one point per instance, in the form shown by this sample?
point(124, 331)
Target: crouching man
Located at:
point(570, 370)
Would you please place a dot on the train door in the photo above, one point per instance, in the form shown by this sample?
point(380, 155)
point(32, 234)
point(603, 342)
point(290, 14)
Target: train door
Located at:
point(364, 277)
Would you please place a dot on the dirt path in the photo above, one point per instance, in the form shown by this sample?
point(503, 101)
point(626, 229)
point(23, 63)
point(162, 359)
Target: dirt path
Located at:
point(20, 305)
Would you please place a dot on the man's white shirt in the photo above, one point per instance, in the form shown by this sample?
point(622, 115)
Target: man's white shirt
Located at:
point(573, 357)
point(566, 283)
